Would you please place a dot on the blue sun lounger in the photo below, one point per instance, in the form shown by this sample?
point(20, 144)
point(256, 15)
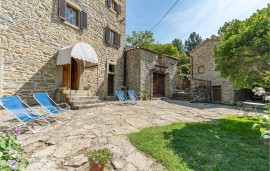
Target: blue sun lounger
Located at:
point(48, 104)
point(16, 107)
point(121, 95)
point(132, 95)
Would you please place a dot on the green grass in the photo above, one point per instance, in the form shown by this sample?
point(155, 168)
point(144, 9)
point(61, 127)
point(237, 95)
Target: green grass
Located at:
point(230, 144)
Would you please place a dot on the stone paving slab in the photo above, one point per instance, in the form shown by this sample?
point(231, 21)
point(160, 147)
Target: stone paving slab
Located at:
point(64, 146)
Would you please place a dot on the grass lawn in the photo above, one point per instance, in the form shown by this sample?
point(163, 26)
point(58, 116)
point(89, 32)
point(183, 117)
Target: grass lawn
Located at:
point(230, 144)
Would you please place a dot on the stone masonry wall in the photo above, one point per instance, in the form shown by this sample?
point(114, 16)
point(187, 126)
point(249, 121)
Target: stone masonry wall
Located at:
point(148, 62)
point(203, 56)
point(32, 33)
point(170, 78)
point(134, 70)
point(140, 63)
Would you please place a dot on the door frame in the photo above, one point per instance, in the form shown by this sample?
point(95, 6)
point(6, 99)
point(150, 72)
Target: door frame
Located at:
point(70, 75)
point(164, 76)
point(221, 96)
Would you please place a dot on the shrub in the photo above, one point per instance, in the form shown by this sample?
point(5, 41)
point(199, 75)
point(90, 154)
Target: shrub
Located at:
point(11, 153)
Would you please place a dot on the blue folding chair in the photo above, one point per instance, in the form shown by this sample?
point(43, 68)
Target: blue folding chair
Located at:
point(16, 107)
point(48, 104)
point(121, 95)
point(132, 95)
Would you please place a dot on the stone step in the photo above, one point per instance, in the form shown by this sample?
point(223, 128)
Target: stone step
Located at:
point(81, 98)
point(85, 106)
point(83, 102)
point(78, 93)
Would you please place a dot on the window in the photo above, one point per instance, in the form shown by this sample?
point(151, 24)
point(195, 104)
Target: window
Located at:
point(112, 37)
point(72, 15)
point(201, 69)
point(111, 68)
point(115, 6)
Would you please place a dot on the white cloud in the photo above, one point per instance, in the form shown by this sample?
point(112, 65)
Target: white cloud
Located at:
point(207, 17)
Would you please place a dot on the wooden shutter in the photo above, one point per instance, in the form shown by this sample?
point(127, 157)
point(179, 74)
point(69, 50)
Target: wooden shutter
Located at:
point(107, 34)
point(109, 2)
point(118, 40)
point(83, 20)
point(119, 9)
point(62, 9)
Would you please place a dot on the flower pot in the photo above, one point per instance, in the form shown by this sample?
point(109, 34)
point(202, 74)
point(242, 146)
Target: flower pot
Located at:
point(96, 167)
point(62, 88)
point(86, 88)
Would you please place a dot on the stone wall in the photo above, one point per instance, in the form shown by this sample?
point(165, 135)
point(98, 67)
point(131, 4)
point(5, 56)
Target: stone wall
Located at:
point(203, 55)
point(140, 66)
point(32, 33)
point(133, 75)
point(148, 62)
point(170, 78)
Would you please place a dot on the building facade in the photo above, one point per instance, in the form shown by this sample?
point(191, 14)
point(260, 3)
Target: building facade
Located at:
point(149, 73)
point(204, 78)
point(33, 32)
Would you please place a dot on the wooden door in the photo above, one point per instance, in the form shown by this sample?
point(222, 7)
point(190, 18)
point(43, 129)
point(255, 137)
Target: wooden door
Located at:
point(66, 75)
point(110, 85)
point(216, 94)
point(158, 85)
point(74, 75)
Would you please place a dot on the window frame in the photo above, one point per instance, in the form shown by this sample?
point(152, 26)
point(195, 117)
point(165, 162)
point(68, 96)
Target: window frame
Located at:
point(201, 71)
point(113, 37)
point(73, 7)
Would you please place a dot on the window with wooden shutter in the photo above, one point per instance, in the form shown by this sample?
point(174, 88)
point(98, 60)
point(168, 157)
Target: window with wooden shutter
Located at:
point(62, 9)
point(84, 20)
point(118, 40)
point(107, 34)
point(109, 2)
point(72, 15)
point(119, 11)
point(112, 37)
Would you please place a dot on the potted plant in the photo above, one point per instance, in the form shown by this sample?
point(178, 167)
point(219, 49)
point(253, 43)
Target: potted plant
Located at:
point(99, 158)
point(87, 87)
point(62, 87)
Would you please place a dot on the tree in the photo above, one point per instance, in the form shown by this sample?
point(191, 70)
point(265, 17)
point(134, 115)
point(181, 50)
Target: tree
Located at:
point(168, 49)
point(183, 62)
point(178, 43)
point(193, 41)
point(141, 38)
point(243, 53)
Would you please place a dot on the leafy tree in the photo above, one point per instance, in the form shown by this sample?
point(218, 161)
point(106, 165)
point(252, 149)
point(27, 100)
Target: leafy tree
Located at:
point(168, 49)
point(183, 62)
point(179, 44)
point(141, 38)
point(193, 41)
point(145, 39)
point(243, 53)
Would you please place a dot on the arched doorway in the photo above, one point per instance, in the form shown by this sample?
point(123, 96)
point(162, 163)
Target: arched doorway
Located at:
point(74, 75)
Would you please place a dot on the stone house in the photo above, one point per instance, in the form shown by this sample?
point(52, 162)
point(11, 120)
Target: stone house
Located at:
point(204, 79)
point(71, 44)
point(33, 33)
point(149, 73)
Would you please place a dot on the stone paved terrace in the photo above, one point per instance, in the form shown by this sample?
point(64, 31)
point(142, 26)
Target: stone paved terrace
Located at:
point(64, 146)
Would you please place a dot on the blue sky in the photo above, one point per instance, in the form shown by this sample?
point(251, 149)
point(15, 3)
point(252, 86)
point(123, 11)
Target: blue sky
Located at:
point(202, 16)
